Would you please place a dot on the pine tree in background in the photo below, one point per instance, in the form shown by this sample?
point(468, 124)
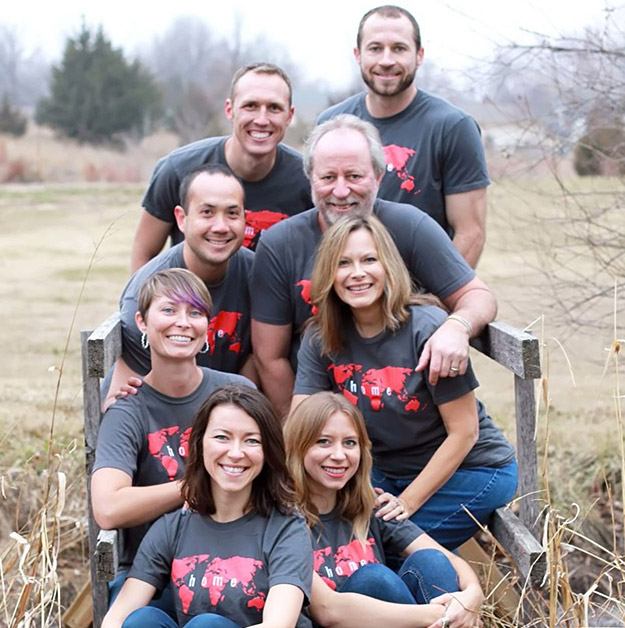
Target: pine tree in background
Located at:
point(12, 121)
point(96, 95)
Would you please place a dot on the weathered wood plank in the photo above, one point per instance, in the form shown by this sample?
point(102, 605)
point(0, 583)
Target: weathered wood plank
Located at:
point(525, 403)
point(517, 350)
point(92, 415)
point(80, 612)
point(526, 552)
point(502, 594)
point(106, 554)
point(104, 346)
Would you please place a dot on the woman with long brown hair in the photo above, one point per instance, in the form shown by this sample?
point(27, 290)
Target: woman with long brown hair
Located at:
point(238, 555)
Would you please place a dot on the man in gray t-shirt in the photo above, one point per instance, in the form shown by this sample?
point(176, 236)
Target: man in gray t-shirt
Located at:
point(344, 161)
point(260, 110)
point(433, 150)
point(212, 218)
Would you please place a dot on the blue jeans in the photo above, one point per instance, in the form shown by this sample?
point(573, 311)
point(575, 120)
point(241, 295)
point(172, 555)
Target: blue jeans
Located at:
point(425, 574)
point(480, 489)
point(150, 617)
point(163, 602)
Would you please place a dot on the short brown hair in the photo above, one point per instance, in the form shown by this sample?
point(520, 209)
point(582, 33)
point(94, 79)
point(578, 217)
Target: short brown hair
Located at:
point(393, 11)
point(207, 169)
point(180, 285)
point(261, 68)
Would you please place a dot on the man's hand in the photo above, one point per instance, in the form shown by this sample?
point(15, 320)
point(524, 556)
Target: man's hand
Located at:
point(447, 352)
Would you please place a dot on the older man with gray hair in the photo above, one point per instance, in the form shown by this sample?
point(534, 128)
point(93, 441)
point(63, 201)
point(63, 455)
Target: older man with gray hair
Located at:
point(345, 162)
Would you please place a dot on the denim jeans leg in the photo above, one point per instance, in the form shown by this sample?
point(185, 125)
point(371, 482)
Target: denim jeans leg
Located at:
point(164, 601)
point(149, 617)
point(116, 585)
point(378, 581)
point(428, 573)
point(480, 489)
point(211, 620)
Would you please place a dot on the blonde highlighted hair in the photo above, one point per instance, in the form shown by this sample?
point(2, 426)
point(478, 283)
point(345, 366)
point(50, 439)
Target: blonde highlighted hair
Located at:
point(301, 430)
point(178, 284)
point(333, 314)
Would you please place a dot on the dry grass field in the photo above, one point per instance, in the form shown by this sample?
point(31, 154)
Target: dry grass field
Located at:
point(64, 257)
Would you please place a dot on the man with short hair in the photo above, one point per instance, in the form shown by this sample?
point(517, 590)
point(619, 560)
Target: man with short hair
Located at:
point(212, 218)
point(260, 110)
point(344, 161)
point(433, 150)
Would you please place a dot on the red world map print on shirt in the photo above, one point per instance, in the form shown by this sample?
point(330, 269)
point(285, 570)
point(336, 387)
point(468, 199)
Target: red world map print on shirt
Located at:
point(237, 572)
point(224, 327)
point(258, 221)
point(375, 384)
point(169, 446)
point(396, 159)
point(344, 562)
point(304, 284)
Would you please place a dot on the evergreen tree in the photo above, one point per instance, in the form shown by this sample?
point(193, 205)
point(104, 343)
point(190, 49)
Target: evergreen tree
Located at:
point(96, 95)
point(12, 121)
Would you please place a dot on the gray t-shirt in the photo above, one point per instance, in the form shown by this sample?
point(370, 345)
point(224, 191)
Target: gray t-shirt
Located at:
point(147, 437)
point(284, 192)
point(286, 256)
point(432, 149)
point(225, 568)
point(228, 335)
point(337, 555)
point(399, 405)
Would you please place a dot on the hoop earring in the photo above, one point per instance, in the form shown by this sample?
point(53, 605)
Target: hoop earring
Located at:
point(205, 348)
point(145, 343)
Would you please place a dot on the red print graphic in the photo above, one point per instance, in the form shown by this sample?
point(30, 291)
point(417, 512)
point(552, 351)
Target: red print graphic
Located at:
point(375, 384)
point(224, 325)
point(305, 285)
point(180, 569)
point(215, 576)
point(233, 572)
point(391, 380)
point(320, 557)
point(396, 160)
point(169, 446)
point(347, 559)
point(341, 374)
point(257, 221)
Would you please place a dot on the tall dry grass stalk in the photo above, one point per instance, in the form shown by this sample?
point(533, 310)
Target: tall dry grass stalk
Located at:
point(562, 602)
point(29, 562)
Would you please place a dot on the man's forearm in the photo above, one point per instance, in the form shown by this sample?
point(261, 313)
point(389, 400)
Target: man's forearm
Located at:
point(478, 307)
point(277, 379)
point(470, 246)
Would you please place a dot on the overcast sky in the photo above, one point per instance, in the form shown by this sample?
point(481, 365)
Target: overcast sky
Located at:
point(318, 35)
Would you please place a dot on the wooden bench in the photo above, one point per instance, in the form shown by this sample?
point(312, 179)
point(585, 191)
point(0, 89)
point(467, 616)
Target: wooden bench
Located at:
point(516, 350)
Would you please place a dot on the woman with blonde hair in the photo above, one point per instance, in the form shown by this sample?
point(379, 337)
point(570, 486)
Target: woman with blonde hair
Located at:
point(437, 454)
point(328, 454)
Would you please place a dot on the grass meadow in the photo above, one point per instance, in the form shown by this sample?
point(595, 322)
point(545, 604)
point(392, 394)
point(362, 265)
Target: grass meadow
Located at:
point(64, 258)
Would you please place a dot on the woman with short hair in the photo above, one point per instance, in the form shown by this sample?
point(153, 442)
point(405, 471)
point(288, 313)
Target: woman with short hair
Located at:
point(143, 439)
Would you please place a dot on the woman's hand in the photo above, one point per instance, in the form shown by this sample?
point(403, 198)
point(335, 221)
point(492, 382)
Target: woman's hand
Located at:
point(390, 507)
point(462, 610)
